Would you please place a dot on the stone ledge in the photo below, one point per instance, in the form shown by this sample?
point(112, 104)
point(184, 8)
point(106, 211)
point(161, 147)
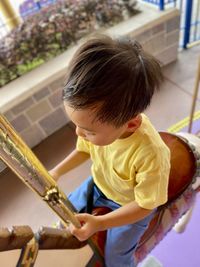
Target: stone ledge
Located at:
point(32, 82)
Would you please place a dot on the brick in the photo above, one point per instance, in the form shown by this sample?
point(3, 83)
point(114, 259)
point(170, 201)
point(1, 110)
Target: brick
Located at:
point(147, 46)
point(9, 115)
point(158, 28)
point(44, 92)
point(143, 37)
point(56, 98)
point(173, 24)
point(33, 135)
point(168, 55)
point(172, 38)
point(57, 85)
point(54, 121)
point(38, 111)
point(22, 106)
point(155, 44)
point(20, 123)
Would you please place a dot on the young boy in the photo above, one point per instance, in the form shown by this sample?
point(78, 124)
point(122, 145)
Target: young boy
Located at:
point(109, 83)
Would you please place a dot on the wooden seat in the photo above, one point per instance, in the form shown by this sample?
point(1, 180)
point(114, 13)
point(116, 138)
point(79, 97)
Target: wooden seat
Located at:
point(16, 238)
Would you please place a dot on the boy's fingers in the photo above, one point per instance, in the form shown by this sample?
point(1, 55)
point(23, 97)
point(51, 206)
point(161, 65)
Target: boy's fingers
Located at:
point(80, 233)
point(74, 230)
point(82, 217)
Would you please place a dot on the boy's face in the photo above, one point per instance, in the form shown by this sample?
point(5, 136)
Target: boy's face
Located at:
point(100, 134)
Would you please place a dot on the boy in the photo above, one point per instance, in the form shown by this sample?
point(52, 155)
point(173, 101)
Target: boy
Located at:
point(109, 83)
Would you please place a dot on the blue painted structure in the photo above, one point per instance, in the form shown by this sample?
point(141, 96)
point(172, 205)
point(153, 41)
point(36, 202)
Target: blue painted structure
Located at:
point(31, 7)
point(190, 18)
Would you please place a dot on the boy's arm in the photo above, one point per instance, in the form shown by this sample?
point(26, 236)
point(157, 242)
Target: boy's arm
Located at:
point(128, 214)
point(74, 159)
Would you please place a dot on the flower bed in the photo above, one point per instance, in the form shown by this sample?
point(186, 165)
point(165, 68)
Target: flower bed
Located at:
point(50, 32)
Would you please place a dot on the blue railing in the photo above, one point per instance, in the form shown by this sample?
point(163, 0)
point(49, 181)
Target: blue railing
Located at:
point(161, 3)
point(190, 18)
point(31, 7)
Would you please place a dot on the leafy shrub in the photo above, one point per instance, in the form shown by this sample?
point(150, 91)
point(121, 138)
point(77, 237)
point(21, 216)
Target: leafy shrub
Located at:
point(53, 30)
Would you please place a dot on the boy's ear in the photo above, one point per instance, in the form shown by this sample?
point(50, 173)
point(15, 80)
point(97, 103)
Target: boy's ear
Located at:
point(134, 123)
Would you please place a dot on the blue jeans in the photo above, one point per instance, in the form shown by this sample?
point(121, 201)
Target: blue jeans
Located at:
point(121, 241)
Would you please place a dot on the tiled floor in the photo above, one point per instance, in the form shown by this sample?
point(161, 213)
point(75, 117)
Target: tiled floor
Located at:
point(20, 206)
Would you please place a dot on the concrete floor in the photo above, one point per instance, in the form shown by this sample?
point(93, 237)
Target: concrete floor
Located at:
point(20, 206)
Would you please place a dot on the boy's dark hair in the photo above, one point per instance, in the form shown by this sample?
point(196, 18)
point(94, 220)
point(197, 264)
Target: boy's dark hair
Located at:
point(116, 76)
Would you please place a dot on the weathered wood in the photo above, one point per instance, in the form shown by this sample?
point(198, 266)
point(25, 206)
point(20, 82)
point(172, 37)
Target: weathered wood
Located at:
point(4, 238)
point(47, 237)
point(52, 238)
point(16, 238)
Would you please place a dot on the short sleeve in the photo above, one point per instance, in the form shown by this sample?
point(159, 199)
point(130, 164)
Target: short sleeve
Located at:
point(83, 145)
point(152, 177)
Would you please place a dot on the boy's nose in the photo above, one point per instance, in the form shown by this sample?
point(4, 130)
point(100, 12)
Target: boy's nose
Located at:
point(79, 132)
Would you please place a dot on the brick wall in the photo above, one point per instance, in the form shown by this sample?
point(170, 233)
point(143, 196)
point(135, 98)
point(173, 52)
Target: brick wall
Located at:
point(42, 113)
point(39, 115)
point(160, 39)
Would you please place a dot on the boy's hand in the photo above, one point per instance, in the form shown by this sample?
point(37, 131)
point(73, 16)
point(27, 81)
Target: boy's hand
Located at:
point(90, 225)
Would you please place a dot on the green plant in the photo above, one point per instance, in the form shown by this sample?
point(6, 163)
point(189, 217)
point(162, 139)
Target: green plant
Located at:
point(50, 32)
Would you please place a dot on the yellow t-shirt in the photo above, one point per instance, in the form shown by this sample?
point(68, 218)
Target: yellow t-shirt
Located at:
point(134, 168)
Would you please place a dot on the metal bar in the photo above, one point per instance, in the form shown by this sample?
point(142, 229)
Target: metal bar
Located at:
point(19, 157)
point(196, 88)
point(188, 18)
point(196, 21)
point(162, 4)
point(11, 17)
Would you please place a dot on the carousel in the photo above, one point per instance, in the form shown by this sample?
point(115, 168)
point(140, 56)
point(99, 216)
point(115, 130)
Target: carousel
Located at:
point(184, 184)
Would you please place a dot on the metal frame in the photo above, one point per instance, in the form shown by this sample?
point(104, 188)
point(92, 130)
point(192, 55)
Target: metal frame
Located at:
point(189, 16)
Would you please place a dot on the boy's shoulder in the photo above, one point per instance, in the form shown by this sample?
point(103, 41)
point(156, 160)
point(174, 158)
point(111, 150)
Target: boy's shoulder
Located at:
point(147, 134)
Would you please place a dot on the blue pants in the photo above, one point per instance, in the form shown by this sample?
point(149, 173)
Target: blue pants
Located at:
point(121, 241)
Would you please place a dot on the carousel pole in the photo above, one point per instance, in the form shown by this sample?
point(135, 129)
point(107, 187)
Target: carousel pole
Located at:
point(12, 19)
point(195, 95)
